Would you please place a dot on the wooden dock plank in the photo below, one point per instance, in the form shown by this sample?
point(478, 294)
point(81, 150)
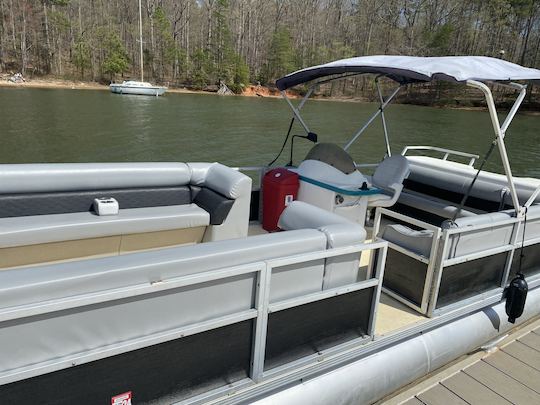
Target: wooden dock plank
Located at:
point(531, 340)
point(502, 384)
point(516, 369)
point(413, 401)
point(472, 391)
point(440, 395)
point(524, 354)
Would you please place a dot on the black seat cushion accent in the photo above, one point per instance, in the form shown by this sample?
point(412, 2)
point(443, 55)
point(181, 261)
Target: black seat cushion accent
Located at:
point(18, 205)
point(217, 205)
point(177, 369)
point(472, 202)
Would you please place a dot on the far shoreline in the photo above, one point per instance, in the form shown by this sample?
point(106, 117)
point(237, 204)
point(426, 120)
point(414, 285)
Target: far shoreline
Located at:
point(52, 83)
point(256, 91)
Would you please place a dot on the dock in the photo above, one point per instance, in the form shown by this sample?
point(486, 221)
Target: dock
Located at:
point(506, 373)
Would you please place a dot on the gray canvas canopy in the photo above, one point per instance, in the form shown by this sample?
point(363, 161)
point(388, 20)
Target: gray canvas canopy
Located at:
point(410, 69)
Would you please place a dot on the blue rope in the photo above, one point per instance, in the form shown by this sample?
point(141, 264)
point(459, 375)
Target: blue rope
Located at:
point(358, 192)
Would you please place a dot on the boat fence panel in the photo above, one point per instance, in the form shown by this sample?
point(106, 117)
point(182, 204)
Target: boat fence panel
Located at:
point(189, 335)
point(300, 326)
point(470, 263)
point(411, 287)
point(469, 279)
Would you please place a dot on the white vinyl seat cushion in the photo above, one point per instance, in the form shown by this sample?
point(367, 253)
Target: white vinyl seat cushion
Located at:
point(372, 199)
point(31, 230)
point(34, 284)
point(392, 170)
point(416, 241)
point(339, 231)
point(457, 177)
point(388, 177)
point(51, 177)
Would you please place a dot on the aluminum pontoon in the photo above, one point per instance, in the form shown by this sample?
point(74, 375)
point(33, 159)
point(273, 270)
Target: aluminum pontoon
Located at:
point(169, 297)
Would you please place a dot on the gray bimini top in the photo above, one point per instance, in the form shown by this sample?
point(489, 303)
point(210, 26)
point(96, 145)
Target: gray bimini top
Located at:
point(412, 69)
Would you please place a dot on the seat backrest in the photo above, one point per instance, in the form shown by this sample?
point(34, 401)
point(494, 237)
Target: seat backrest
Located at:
point(392, 170)
point(64, 177)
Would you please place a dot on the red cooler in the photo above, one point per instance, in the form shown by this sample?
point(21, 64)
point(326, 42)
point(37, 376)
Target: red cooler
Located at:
point(280, 187)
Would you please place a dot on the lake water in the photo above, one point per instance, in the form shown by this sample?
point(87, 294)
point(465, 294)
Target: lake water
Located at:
point(85, 125)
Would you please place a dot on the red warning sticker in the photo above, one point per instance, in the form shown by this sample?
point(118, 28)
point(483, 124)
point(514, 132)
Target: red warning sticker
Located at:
point(122, 399)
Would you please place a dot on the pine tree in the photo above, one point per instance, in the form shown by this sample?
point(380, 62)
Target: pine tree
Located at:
point(116, 60)
point(280, 55)
point(81, 56)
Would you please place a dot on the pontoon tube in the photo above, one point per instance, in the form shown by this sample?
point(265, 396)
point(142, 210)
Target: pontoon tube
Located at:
point(373, 377)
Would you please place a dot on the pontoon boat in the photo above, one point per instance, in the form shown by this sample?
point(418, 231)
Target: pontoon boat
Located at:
point(154, 283)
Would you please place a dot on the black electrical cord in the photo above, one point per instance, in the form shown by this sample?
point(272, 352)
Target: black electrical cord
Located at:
point(284, 143)
point(466, 195)
point(521, 255)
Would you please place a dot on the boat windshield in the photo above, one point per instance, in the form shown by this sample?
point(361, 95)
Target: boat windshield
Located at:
point(136, 84)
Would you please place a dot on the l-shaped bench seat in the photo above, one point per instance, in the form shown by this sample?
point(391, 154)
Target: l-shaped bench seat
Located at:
point(438, 186)
point(433, 193)
point(97, 304)
point(475, 253)
point(46, 210)
point(308, 229)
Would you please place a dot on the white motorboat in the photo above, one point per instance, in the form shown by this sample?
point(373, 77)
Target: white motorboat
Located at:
point(142, 281)
point(140, 88)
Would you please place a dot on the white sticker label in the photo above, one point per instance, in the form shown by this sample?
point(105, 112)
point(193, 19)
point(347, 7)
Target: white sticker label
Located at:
point(288, 199)
point(122, 399)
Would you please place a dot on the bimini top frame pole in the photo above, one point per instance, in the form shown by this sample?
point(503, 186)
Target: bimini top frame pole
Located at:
point(382, 106)
point(295, 110)
point(383, 119)
point(380, 111)
point(500, 131)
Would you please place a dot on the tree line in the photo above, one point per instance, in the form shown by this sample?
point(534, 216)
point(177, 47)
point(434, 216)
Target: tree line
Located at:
point(203, 42)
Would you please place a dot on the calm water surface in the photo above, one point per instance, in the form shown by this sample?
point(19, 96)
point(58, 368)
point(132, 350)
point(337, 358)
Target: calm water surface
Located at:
point(84, 126)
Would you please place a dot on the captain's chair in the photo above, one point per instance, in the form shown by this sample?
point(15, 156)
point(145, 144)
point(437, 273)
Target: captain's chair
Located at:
point(388, 177)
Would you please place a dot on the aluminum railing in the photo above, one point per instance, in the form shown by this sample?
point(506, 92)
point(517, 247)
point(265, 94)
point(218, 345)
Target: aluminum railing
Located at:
point(440, 258)
point(262, 307)
point(447, 152)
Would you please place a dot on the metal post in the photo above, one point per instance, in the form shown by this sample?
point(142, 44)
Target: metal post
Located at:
point(388, 152)
point(140, 40)
point(296, 111)
point(428, 282)
point(261, 323)
point(510, 255)
point(532, 197)
point(379, 275)
point(375, 115)
point(522, 92)
point(438, 269)
point(500, 136)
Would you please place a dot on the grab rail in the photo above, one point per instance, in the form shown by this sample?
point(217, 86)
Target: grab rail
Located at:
point(447, 152)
